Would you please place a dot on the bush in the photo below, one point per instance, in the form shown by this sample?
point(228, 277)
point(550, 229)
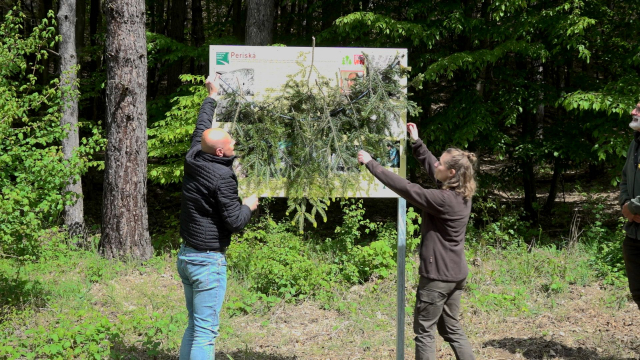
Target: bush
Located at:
point(277, 262)
point(90, 336)
point(496, 225)
point(33, 169)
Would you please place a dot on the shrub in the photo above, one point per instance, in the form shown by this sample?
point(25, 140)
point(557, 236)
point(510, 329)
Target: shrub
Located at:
point(33, 170)
point(92, 336)
point(277, 262)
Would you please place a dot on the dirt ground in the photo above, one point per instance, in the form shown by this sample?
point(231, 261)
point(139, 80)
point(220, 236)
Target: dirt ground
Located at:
point(579, 327)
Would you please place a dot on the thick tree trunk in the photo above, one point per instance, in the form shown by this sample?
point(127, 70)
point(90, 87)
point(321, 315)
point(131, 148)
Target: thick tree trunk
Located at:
point(197, 31)
point(81, 13)
point(331, 10)
point(260, 14)
point(553, 188)
point(95, 18)
point(74, 214)
point(239, 20)
point(177, 18)
point(308, 26)
point(125, 227)
point(527, 167)
point(95, 21)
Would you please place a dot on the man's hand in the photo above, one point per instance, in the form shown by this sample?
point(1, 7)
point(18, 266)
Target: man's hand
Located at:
point(251, 202)
point(213, 84)
point(413, 131)
point(627, 213)
point(363, 157)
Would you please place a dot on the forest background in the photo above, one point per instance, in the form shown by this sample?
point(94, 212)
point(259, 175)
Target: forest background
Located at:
point(540, 90)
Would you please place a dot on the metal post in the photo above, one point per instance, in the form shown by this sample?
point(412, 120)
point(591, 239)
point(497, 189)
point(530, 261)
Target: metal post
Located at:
point(402, 249)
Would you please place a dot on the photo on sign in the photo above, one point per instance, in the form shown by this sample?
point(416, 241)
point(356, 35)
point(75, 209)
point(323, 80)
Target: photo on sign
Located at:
point(239, 81)
point(348, 78)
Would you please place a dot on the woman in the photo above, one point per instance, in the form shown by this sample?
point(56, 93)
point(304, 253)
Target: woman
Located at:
point(443, 267)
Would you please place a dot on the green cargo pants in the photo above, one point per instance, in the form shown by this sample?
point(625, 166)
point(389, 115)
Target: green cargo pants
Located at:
point(438, 305)
point(631, 253)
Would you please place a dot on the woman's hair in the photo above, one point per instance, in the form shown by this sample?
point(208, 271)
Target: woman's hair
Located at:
point(462, 181)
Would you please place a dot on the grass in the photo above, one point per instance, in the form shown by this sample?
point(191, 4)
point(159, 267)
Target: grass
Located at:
point(520, 302)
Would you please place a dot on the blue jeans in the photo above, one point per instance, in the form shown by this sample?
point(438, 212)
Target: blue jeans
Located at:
point(204, 278)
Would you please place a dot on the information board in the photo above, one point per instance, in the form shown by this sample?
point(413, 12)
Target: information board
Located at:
point(260, 71)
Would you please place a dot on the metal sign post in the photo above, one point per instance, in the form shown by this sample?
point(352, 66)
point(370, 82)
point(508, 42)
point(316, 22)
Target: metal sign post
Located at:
point(402, 249)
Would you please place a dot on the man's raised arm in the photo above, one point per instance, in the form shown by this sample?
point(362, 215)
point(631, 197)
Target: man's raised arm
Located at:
point(205, 116)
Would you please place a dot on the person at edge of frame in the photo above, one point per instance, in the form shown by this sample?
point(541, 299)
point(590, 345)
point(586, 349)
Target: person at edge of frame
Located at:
point(211, 211)
point(630, 203)
point(443, 267)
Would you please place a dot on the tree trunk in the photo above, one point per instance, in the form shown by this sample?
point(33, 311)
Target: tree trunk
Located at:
point(260, 14)
point(81, 13)
point(74, 214)
point(331, 10)
point(95, 18)
point(125, 227)
point(553, 188)
point(239, 19)
point(308, 26)
point(177, 18)
point(95, 21)
point(527, 167)
point(197, 31)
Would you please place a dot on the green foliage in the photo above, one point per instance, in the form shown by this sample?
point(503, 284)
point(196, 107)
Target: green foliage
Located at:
point(535, 83)
point(414, 222)
point(364, 249)
point(306, 136)
point(249, 302)
point(606, 254)
point(517, 273)
point(169, 138)
point(88, 334)
point(304, 139)
point(276, 262)
point(33, 171)
point(357, 258)
point(497, 225)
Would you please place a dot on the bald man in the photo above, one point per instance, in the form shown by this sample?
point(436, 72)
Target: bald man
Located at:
point(211, 212)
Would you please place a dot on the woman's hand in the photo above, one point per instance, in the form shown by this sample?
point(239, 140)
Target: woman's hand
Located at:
point(363, 157)
point(413, 131)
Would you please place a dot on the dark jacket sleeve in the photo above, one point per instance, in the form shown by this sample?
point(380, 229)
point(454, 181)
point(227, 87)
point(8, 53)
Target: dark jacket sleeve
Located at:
point(425, 158)
point(235, 214)
point(624, 191)
point(431, 201)
point(205, 117)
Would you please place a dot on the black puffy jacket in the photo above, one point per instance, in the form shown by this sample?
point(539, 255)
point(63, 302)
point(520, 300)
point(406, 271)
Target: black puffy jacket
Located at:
point(211, 208)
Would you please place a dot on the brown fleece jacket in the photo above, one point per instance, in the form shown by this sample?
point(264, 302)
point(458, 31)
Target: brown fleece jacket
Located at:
point(445, 215)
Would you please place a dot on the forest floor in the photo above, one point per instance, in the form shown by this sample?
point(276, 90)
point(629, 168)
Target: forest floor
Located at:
point(588, 321)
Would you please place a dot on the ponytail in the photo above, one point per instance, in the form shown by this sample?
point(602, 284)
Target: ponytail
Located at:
point(463, 181)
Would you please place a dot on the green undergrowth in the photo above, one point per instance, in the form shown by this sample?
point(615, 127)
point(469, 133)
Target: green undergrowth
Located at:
point(76, 304)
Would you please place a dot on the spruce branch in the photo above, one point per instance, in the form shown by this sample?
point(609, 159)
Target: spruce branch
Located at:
point(307, 137)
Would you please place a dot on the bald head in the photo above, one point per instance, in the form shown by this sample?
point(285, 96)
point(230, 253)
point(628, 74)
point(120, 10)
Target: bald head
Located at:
point(218, 142)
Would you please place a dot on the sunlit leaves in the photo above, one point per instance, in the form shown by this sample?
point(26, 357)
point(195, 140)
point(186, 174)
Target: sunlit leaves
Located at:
point(33, 171)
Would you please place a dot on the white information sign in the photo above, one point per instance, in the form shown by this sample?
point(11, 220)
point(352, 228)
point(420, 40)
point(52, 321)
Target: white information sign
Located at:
point(258, 71)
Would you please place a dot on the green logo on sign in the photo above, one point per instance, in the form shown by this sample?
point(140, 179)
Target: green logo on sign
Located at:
point(346, 60)
point(222, 58)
